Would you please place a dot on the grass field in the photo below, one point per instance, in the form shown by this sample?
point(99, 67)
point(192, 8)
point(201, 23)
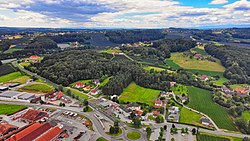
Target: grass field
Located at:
point(157, 69)
point(188, 63)
point(105, 81)
point(101, 139)
point(110, 51)
point(21, 80)
point(212, 137)
point(238, 86)
point(25, 64)
point(246, 115)
point(79, 94)
point(134, 135)
point(201, 100)
point(172, 64)
point(187, 116)
point(9, 77)
point(10, 109)
point(43, 88)
point(199, 51)
point(135, 93)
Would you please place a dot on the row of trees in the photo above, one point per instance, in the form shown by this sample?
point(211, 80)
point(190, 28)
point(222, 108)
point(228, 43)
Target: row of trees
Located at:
point(235, 59)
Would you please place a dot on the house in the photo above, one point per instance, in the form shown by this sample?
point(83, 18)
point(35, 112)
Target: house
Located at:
point(158, 104)
point(172, 84)
point(133, 107)
point(33, 115)
point(6, 129)
point(35, 57)
point(205, 121)
point(96, 82)
point(59, 95)
point(198, 56)
point(94, 92)
point(138, 113)
point(155, 113)
point(104, 104)
point(79, 85)
point(204, 77)
point(50, 135)
point(173, 114)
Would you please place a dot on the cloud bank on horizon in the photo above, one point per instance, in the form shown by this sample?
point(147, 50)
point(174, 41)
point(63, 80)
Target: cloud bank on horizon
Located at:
point(124, 13)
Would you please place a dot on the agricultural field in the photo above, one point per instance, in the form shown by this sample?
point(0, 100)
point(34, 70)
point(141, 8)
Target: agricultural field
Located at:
point(246, 115)
point(211, 137)
point(6, 69)
point(187, 63)
point(190, 117)
point(21, 80)
point(135, 93)
point(172, 64)
point(180, 89)
point(40, 88)
point(199, 51)
point(11, 76)
point(10, 109)
point(157, 69)
point(201, 100)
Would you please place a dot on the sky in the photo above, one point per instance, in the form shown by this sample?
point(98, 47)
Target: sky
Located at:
point(124, 13)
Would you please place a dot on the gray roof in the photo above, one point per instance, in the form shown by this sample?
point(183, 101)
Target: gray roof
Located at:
point(26, 96)
point(3, 88)
point(9, 93)
point(104, 104)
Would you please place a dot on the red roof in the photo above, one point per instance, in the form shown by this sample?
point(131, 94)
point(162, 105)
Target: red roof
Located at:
point(50, 135)
point(30, 133)
point(139, 112)
point(34, 57)
point(158, 104)
point(80, 84)
point(5, 128)
point(93, 91)
point(60, 95)
point(155, 113)
point(204, 77)
point(33, 115)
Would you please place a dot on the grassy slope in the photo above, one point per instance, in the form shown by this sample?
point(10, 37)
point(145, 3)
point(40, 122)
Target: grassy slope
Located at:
point(21, 80)
point(110, 51)
point(105, 81)
point(246, 115)
point(10, 109)
point(188, 63)
point(135, 93)
point(157, 69)
point(201, 100)
point(10, 77)
point(172, 64)
point(37, 88)
point(187, 116)
point(79, 94)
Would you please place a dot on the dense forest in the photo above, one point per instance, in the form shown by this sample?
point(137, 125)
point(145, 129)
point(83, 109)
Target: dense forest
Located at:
point(73, 37)
point(42, 43)
point(161, 49)
point(235, 59)
point(132, 36)
point(70, 66)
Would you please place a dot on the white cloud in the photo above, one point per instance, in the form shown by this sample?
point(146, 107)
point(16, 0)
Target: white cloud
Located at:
point(218, 2)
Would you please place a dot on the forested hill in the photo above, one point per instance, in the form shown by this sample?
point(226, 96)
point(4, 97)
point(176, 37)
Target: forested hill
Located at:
point(132, 36)
point(235, 59)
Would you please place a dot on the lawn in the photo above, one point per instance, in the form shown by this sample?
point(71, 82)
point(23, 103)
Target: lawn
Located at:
point(9, 77)
point(105, 81)
point(43, 88)
point(221, 81)
point(209, 73)
point(135, 93)
point(187, 116)
point(180, 89)
point(10, 109)
point(201, 100)
point(21, 80)
point(246, 115)
point(199, 51)
point(187, 63)
point(172, 64)
point(134, 135)
point(212, 137)
point(157, 69)
point(101, 139)
point(24, 64)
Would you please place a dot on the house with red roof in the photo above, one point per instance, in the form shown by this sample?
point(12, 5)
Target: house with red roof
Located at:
point(59, 95)
point(6, 129)
point(35, 57)
point(158, 104)
point(50, 135)
point(155, 113)
point(204, 77)
point(94, 92)
point(33, 115)
point(80, 85)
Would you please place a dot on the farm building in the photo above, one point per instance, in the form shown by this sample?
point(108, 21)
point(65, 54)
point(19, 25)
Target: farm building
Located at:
point(6, 129)
point(16, 96)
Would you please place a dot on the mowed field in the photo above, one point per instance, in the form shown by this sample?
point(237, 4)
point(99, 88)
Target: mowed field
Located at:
point(246, 115)
point(187, 63)
point(10, 109)
point(43, 88)
point(190, 117)
point(135, 93)
point(10, 76)
point(201, 100)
